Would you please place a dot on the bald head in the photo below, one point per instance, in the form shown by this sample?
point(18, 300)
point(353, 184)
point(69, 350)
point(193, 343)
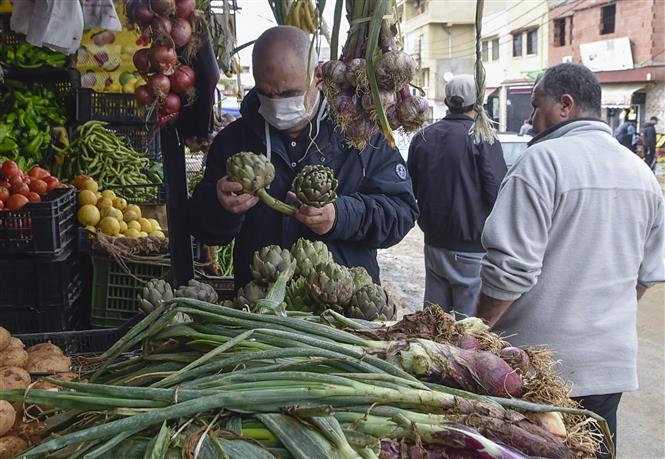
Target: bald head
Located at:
point(283, 46)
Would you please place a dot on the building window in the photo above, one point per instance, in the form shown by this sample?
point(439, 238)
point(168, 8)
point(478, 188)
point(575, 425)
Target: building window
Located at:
point(486, 45)
point(607, 16)
point(517, 44)
point(560, 32)
point(495, 49)
point(532, 41)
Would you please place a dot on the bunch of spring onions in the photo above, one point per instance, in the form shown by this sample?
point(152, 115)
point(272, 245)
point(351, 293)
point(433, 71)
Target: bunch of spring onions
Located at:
point(229, 383)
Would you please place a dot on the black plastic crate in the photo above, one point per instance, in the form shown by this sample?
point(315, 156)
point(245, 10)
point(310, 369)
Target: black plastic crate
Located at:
point(40, 228)
point(111, 107)
point(80, 341)
point(143, 138)
point(142, 195)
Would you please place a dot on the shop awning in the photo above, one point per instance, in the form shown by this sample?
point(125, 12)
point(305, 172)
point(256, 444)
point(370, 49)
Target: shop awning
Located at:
point(489, 91)
point(618, 95)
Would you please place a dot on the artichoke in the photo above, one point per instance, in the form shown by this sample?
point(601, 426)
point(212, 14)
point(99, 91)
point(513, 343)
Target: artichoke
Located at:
point(330, 285)
point(198, 291)
point(270, 262)
point(153, 293)
point(308, 254)
point(315, 186)
point(371, 302)
point(360, 277)
point(254, 172)
point(249, 294)
point(296, 297)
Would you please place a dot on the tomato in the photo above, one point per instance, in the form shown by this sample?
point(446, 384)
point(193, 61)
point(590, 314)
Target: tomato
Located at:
point(4, 194)
point(38, 186)
point(34, 197)
point(21, 189)
point(10, 169)
point(2, 205)
point(27, 180)
point(16, 201)
point(15, 181)
point(37, 172)
point(51, 183)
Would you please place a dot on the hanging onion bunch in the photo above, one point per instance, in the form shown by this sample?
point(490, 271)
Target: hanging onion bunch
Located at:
point(173, 29)
point(369, 85)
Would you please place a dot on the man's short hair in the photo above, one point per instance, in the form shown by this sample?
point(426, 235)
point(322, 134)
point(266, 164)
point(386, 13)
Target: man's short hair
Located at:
point(654, 118)
point(575, 80)
point(460, 110)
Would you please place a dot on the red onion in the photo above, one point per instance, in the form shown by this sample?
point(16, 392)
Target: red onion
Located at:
point(161, 26)
point(163, 59)
point(468, 342)
point(492, 374)
point(184, 8)
point(334, 72)
point(412, 112)
point(183, 79)
point(163, 7)
point(142, 60)
point(142, 15)
point(170, 105)
point(516, 358)
point(144, 95)
point(393, 118)
point(395, 69)
point(181, 32)
point(388, 99)
point(356, 73)
point(160, 85)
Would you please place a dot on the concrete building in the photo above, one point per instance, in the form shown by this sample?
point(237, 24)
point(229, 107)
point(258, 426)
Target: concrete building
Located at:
point(623, 42)
point(514, 48)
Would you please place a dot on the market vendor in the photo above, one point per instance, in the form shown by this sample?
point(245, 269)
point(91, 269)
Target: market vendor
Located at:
point(375, 207)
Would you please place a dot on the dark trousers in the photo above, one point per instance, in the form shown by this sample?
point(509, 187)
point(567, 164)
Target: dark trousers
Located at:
point(650, 156)
point(605, 406)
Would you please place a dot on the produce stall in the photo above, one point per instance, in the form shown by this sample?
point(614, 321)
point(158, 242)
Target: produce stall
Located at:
point(120, 336)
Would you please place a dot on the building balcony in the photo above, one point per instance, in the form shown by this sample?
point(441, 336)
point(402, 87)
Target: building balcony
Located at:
point(418, 13)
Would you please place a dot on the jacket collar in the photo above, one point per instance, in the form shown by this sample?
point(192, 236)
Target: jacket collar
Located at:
point(458, 116)
point(562, 129)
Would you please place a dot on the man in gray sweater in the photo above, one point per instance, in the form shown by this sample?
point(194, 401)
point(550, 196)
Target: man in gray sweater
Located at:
point(575, 238)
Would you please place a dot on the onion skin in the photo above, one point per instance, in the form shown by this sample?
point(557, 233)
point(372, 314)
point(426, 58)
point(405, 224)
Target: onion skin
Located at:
point(142, 14)
point(181, 32)
point(144, 95)
point(517, 358)
point(161, 25)
point(356, 73)
point(467, 342)
point(170, 105)
point(334, 72)
point(141, 60)
point(388, 99)
point(395, 69)
point(183, 79)
point(493, 374)
point(159, 85)
point(163, 7)
point(393, 118)
point(185, 8)
point(411, 111)
point(163, 58)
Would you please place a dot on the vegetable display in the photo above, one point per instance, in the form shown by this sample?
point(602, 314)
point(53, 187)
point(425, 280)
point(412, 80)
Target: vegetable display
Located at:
point(28, 56)
point(369, 86)
point(18, 188)
point(27, 115)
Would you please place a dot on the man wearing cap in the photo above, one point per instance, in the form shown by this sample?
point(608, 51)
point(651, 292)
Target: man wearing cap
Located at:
point(456, 183)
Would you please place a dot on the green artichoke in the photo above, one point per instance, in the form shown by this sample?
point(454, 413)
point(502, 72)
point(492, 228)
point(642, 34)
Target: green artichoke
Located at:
point(371, 302)
point(308, 254)
point(254, 172)
point(198, 291)
point(360, 277)
point(296, 296)
point(315, 186)
point(330, 285)
point(249, 295)
point(153, 293)
point(269, 262)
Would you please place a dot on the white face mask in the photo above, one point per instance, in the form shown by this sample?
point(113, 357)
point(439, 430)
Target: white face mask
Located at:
point(287, 112)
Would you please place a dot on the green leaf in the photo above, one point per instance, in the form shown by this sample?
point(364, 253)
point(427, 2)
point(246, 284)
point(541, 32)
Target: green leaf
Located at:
point(159, 445)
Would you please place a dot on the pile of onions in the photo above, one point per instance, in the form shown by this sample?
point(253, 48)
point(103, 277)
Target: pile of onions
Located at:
point(168, 25)
point(352, 104)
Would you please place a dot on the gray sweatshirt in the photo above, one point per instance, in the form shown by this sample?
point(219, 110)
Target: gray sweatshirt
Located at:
point(577, 225)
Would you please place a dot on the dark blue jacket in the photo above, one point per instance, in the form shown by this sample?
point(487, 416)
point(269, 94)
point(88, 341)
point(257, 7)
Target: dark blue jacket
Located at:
point(456, 183)
point(375, 207)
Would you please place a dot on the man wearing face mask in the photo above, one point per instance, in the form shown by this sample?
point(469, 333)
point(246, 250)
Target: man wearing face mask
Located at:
point(285, 118)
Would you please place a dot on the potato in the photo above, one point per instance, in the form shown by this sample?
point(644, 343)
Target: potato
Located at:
point(45, 385)
point(13, 358)
point(11, 446)
point(13, 378)
point(7, 417)
point(31, 431)
point(50, 363)
point(5, 337)
point(15, 343)
point(47, 348)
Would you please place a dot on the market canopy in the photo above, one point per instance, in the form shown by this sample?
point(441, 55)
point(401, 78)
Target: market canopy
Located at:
point(618, 95)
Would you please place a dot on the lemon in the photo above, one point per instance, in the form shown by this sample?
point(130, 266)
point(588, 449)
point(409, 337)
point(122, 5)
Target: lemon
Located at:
point(120, 203)
point(129, 87)
point(143, 234)
point(135, 208)
point(158, 234)
point(104, 203)
point(131, 232)
point(90, 185)
point(87, 197)
point(109, 226)
point(123, 227)
point(112, 212)
point(109, 194)
point(130, 216)
point(133, 224)
point(92, 229)
point(146, 226)
point(155, 224)
point(99, 195)
point(88, 215)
